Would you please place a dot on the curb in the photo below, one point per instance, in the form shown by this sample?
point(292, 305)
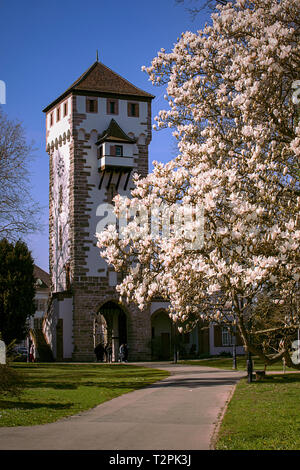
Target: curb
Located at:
point(214, 436)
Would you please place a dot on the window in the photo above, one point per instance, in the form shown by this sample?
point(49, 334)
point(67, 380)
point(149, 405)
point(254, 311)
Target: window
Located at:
point(91, 105)
point(119, 150)
point(65, 108)
point(58, 114)
point(227, 339)
point(51, 119)
point(133, 109)
point(112, 106)
point(101, 151)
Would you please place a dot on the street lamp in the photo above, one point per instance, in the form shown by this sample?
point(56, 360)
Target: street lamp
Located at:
point(175, 344)
point(234, 365)
point(249, 367)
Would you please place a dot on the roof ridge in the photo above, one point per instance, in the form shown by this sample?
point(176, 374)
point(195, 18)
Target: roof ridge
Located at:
point(122, 78)
point(109, 132)
point(82, 77)
point(103, 80)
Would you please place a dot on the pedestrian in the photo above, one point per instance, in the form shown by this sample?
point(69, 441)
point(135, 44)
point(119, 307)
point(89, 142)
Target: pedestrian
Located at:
point(121, 353)
point(108, 352)
point(99, 351)
point(125, 352)
point(31, 353)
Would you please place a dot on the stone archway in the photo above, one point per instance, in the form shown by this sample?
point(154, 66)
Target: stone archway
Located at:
point(110, 327)
point(162, 336)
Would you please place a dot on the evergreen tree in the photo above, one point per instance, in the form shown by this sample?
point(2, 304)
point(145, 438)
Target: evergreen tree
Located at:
point(17, 290)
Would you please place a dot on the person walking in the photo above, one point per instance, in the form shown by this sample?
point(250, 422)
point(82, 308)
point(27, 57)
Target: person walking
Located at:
point(108, 352)
point(32, 353)
point(121, 353)
point(125, 352)
point(99, 351)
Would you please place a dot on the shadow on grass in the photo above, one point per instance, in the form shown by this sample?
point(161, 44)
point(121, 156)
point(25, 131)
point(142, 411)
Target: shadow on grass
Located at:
point(115, 384)
point(280, 378)
point(25, 405)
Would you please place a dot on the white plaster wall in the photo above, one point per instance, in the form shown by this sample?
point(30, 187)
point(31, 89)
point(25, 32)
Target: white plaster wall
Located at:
point(60, 127)
point(39, 313)
point(214, 351)
point(99, 122)
point(60, 156)
point(61, 255)
point(127, 149)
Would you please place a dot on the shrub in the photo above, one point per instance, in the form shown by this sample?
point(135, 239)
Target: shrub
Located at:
point(225, 354)
point(11, 382)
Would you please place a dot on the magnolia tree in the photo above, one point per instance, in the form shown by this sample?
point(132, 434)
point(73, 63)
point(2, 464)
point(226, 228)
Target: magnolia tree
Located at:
point(230, 90)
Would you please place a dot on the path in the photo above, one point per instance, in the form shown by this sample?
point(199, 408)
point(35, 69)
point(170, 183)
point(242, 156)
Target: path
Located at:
point(179, 412)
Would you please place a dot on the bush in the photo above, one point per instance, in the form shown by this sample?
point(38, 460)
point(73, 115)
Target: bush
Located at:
point(225, 354)
point(11, 382)
point(204, 356)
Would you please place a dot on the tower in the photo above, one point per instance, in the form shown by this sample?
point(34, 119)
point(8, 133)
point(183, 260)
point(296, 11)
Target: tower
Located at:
point(97, 135)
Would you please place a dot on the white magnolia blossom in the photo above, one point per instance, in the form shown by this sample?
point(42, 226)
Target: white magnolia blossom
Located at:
point(229, 95)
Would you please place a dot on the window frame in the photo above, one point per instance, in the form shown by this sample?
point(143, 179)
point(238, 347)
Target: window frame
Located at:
point(90, 100)
point(116, 106)
point(227, 338)
point(65, 108)
point(133, 105)
point(119, 147)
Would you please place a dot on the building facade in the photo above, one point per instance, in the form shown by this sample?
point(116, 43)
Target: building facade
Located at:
point(97, 135)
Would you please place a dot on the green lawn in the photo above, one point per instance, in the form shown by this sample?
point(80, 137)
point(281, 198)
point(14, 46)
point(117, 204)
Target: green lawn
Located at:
point(53, 391)
point(263, 415)
point(226, 363)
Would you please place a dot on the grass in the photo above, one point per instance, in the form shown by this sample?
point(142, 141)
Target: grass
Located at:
point(263, 415)
point(54, 391)
point(226, 363)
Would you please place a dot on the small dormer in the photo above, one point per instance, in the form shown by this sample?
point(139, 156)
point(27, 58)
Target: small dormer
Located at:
point(115, 149)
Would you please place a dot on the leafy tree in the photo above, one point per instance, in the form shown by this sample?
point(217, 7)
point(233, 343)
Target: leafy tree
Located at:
point(229, 91)
point(17, 290)
point(18, 212)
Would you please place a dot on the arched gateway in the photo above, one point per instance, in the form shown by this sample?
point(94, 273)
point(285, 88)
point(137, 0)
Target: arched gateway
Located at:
point(110, 327)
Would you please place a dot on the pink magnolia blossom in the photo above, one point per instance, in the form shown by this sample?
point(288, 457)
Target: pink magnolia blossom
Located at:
point(229, 90)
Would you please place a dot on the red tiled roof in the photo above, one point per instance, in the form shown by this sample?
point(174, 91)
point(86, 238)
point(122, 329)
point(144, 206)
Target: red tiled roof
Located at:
point(42, 275)
point(114, 133)
point(101, 79)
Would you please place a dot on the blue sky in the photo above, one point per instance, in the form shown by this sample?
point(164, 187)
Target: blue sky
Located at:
point(45, 46)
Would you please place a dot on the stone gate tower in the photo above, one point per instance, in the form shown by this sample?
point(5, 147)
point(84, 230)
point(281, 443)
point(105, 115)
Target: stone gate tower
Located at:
point(97, 135)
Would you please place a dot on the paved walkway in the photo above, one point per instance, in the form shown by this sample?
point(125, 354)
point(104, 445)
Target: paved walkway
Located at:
point(177, 413)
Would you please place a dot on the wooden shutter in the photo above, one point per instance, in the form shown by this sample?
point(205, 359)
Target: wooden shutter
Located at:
point(112, 150)
point(136, 109)
point(217, 336)
point(108, 101)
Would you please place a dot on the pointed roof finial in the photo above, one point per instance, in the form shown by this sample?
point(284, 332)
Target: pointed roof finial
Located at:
point(97, 58)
